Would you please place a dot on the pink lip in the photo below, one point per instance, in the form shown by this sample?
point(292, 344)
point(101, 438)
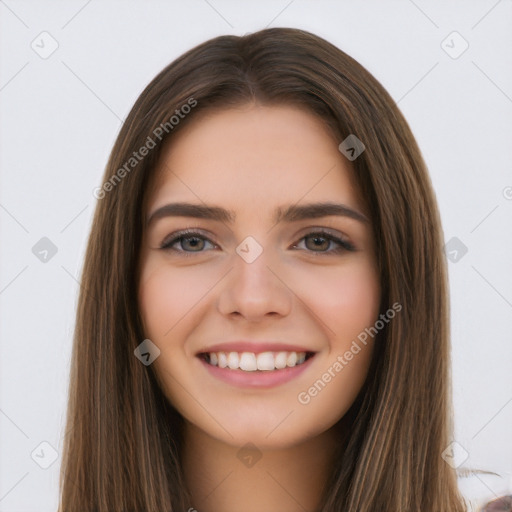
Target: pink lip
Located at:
point(253, 346)
point(256, 379)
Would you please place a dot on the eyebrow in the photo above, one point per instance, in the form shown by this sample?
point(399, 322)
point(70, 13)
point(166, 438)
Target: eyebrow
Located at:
point(292, 213)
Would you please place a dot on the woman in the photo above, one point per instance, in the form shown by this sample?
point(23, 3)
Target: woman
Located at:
point(263, 319)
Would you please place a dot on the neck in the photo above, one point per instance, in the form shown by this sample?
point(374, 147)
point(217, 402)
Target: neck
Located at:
point(225, 478)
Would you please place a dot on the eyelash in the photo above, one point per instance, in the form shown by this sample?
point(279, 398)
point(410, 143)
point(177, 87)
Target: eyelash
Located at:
point(343, 245)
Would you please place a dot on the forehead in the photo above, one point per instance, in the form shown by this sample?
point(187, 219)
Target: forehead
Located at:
point(252, 158)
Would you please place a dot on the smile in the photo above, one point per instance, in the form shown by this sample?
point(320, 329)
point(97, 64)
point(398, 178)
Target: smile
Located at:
point(251, 362)
point(256, 370)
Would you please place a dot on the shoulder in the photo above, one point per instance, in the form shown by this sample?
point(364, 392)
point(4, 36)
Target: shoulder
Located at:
point(501, 504)
point(485, 491)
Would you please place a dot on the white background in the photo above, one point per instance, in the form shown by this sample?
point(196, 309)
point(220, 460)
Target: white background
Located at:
point(60, 116)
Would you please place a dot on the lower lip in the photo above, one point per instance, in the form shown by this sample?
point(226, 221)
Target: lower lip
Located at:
point(258, 378)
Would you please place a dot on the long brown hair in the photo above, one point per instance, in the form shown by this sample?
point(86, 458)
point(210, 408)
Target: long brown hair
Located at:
point(123, 439)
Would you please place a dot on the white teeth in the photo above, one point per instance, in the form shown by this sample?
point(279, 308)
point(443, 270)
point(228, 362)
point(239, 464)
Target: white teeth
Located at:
point(223, 360)
point(280, 360)
point(265, 361)
point(233, 360)
point(291, 360)
point(250, 362)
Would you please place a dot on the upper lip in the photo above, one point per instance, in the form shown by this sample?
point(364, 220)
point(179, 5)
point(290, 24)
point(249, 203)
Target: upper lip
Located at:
point(253, 346)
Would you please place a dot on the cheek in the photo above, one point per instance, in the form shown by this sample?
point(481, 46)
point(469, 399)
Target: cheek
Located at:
point(166, 295)
point(158, 302)
point(358, 301)
point(346, 300)
point(347, 303)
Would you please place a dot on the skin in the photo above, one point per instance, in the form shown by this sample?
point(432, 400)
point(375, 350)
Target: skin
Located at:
point(252, 159)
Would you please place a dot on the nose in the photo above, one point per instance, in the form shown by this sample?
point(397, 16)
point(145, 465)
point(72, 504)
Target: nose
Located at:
point(255, 290)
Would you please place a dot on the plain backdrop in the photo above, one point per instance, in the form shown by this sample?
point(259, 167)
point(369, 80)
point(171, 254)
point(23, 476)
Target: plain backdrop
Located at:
point(70, 72)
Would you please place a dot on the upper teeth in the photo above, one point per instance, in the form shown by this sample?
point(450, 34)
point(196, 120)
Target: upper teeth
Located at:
point(250, 362)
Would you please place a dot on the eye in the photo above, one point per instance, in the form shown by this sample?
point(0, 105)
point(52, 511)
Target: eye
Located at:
point(194, 242)
point(187, 239)
point(322, 240)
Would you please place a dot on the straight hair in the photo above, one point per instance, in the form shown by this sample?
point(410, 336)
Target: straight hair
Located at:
point(122, 447)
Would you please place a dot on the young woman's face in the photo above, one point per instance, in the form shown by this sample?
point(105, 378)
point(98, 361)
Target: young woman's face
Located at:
point(294, 283)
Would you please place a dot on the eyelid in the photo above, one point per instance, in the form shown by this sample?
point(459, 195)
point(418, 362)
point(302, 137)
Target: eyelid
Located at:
point(190, 232)
point(344, 244)
point(343, 241)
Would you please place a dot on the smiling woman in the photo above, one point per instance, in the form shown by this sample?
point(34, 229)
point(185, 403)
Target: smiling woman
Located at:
point(238, 329)
point(281, 242)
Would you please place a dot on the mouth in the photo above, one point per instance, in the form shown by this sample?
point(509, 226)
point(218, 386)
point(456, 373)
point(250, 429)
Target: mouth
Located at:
point(256, 362)
point(256, 370)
